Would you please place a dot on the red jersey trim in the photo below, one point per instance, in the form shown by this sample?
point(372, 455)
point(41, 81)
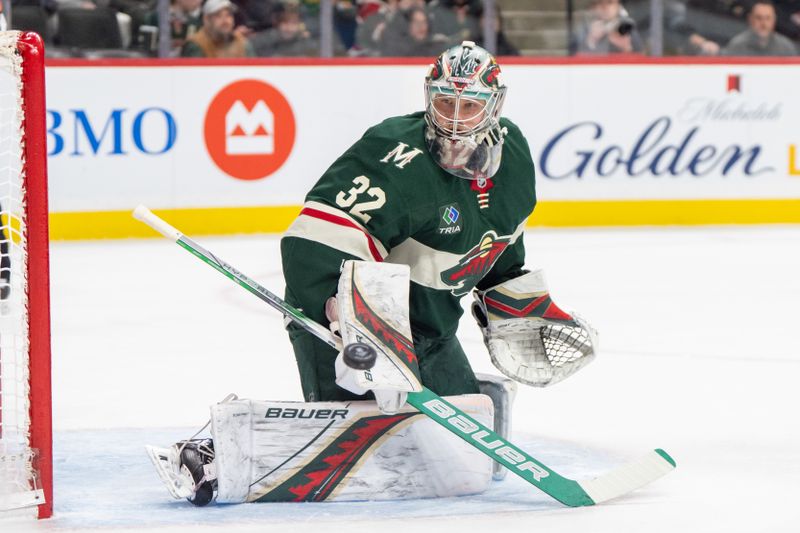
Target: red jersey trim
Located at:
point(341, 221)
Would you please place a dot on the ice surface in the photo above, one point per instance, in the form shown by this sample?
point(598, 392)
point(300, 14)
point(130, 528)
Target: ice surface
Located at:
point(699, 355)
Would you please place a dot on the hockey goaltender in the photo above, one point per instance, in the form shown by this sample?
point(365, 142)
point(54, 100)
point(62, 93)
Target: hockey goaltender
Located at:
point(422, 210)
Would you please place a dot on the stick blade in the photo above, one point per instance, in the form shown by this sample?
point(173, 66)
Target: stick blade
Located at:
point(629, 477)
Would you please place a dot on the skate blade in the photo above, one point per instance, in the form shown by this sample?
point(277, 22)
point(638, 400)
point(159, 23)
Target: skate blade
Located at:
point(165, 461)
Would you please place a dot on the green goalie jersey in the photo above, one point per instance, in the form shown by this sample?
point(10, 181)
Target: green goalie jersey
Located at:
point(386, 199)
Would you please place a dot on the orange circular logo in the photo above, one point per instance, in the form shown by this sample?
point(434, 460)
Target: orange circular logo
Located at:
point(249, 129)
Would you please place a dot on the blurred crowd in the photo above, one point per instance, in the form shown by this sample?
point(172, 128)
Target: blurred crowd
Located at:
point(291, 28)
point(269, 28)
point(691, 27)
point(391, 28)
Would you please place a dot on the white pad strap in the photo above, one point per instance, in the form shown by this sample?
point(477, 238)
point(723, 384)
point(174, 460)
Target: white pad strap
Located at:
point(502, 392)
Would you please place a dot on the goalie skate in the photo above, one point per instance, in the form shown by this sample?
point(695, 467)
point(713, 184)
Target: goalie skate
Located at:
point(179, 484)
point(187, 469)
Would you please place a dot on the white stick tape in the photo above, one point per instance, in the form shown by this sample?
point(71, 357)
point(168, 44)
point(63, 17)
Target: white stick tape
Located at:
point(145, 215)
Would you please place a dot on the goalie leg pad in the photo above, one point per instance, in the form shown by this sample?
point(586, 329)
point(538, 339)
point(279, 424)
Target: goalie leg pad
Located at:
point(342, 451)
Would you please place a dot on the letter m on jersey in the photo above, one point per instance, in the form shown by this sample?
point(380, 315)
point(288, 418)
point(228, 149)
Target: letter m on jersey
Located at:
point(400, 157)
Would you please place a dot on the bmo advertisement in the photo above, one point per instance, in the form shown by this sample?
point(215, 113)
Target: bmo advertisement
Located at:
point(244, 142)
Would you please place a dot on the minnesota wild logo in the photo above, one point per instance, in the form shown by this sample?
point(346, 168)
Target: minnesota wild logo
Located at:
point(437, 70)
point(490, 75)
point(475, 263)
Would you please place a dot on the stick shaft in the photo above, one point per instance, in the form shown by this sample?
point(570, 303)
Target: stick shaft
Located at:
point(241, 279)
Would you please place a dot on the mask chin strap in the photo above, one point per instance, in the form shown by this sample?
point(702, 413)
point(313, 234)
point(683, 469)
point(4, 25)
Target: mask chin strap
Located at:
point(491, 136)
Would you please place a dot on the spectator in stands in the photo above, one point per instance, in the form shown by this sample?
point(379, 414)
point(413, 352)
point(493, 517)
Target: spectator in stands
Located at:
point(686, 38)
point(788, 18)
point(217, 37)
point(701, 46)
point(309, 14)
point(3, 23)
point(255, 15)
point(81, 4)
point(684, 34)
point(368, 7)
point(137, 10)
point(504, 47)
point(760, 39)
point(47, 9)
point(185, 19)
point(715, 20)
point(607, 29)
point(50, 6)
point(369, 33)
point(124, 20)
point(289, 37)
point(456, 19)
point(345, 22)
point(385, 30)
point(418, 41)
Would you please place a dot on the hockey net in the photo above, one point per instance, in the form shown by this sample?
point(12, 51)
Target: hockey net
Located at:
point(25, 400)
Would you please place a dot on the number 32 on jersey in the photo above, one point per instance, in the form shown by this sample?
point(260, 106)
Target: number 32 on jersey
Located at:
point(369, 199)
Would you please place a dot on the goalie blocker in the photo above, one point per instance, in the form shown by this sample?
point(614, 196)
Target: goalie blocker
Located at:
point(371, 309)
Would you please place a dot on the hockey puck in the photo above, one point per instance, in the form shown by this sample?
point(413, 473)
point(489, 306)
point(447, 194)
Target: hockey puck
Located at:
point(359, 356)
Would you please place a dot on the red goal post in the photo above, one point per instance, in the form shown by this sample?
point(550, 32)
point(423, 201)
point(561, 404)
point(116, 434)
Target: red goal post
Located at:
point(26, 479)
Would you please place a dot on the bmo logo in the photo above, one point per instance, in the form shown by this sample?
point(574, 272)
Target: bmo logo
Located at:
point(249, 129)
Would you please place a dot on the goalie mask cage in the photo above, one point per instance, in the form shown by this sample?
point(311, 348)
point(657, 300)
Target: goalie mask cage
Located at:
point(25, 400)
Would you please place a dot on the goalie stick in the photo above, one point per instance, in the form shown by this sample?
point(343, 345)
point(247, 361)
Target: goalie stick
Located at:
point(570, 492)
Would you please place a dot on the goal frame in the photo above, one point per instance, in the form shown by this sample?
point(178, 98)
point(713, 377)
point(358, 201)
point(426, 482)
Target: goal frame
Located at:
point(36, 233)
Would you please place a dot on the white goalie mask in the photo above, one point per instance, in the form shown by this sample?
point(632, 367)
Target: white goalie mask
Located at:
point(463, 100)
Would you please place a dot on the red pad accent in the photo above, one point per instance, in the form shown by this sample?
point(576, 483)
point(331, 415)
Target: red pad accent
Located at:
point(324, 481)
point(552, 311)
point(341, 221)
point(399, 344)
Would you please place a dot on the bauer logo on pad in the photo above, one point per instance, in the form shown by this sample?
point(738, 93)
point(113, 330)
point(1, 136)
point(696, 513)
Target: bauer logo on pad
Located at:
point(249, 129)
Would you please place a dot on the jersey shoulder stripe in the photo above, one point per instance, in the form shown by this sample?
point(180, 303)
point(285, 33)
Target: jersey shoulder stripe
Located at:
point(334, 228)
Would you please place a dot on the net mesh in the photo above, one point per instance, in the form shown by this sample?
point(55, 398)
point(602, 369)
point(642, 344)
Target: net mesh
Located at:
point(17, 474)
